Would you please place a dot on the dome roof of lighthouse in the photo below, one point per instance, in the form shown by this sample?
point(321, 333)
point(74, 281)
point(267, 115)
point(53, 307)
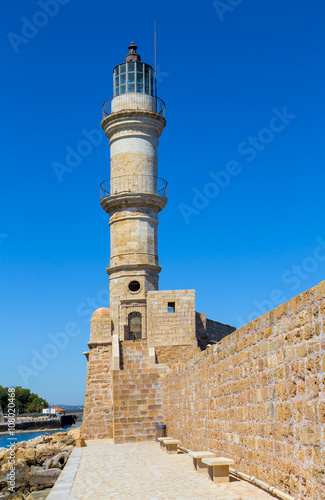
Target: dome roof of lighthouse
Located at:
point(102, 312)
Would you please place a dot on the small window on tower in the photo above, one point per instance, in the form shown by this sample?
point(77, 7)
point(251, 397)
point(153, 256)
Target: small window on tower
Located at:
point(171, 307)
point(134, 286)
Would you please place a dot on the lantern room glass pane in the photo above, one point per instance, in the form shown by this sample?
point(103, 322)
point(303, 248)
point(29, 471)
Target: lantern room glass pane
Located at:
point(133, 77)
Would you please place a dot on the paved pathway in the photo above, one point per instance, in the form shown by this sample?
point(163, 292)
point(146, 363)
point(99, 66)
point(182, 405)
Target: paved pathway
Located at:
point(141, 471)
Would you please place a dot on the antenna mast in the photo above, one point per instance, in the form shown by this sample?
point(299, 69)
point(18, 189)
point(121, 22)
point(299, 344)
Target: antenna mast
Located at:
point(155, 60)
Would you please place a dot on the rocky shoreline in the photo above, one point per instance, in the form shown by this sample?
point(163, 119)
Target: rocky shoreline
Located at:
point(38, 464)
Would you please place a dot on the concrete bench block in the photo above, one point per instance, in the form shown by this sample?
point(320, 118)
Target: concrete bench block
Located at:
point(171, 445)
point(218, 468)
point(197, 456)
point(162, 442)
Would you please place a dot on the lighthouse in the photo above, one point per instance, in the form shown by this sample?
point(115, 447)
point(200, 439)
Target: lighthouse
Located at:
point(144, 332)
point(133, 196)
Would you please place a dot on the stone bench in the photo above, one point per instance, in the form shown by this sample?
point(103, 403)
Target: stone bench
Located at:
point(171, 445)
point(218, 468)
point(161, 441)
point(197, 459)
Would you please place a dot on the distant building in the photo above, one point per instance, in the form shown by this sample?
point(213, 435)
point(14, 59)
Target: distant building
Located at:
point(54, 410)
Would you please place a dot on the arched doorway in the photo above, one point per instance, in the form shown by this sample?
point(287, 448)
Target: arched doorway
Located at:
point(135, 326)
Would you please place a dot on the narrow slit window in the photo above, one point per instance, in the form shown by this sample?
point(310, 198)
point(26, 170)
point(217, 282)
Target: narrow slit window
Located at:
point(171, 307)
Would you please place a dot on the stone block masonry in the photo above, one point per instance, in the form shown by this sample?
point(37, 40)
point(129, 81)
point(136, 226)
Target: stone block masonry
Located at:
point(98, 412)
point(167, 327)
point(209, 331)
point(136, 395)
point(258, 397)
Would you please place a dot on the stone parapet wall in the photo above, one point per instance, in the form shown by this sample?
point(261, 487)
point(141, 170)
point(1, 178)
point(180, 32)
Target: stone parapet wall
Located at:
point(174, 356)
point(98, 411)
point(208, 331)
point(217, 331)
point(258, 397)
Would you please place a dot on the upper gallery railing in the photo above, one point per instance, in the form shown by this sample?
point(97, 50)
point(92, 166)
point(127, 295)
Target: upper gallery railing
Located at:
point(133, 101)
point(136, 183)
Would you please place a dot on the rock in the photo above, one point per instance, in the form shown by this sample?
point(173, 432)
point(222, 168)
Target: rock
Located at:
point(47, 463)
point(38, 463)
point(69, 440)
point(26, 454)
point(39, 495)
point(60, 460)
point(40, 479)
point(63, 438)
point(58, 436)
point(80, 443)
point(32, 443)
point(43, 452)
point(75, 433)
point(41, 446)
point(35, 469)
point(21, 471)
point(13, 496)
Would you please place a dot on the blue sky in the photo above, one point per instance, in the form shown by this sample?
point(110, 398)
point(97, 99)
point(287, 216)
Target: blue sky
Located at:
point(243, 83)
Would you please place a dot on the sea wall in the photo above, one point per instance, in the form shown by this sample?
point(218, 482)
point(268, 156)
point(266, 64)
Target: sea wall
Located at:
point(258, 397)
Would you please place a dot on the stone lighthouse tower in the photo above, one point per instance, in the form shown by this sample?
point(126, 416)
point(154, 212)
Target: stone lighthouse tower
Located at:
point(134, 195)
point(145, 332)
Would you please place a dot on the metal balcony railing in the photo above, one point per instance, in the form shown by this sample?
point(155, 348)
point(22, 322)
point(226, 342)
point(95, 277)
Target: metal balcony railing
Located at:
point(133, 101)
point(136, 183)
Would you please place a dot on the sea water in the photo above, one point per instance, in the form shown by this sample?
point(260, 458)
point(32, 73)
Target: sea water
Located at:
point(25, 436)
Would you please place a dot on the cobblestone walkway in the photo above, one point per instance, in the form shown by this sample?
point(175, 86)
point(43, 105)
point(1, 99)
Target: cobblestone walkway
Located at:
point(141, 471)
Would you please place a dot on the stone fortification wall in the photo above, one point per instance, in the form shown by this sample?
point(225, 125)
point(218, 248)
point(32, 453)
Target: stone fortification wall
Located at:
point(258, 397)
point(208, 331)
point(175, 355)
point(98, 411)
point(171, 328)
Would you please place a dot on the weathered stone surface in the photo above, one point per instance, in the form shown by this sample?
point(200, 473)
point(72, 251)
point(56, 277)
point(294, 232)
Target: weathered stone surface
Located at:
point(13, 496)
point(59, 461)
point(45, 451)
point(32, 443)
point(258, 397)
point(80, 443)
point(33, 457)
point(39, 478)
point(98, 411)
point(39, 495)
point(136, 395)
point(21, 471)
point(28, 455)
